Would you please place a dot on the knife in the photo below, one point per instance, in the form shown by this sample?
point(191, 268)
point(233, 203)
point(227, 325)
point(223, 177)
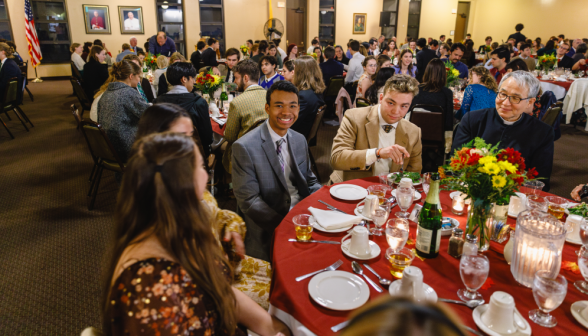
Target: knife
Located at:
point(332, 207)
point(314, 241)
point(339, 326)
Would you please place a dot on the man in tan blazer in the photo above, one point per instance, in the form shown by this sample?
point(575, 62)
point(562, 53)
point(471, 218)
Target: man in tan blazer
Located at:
point(377, 139)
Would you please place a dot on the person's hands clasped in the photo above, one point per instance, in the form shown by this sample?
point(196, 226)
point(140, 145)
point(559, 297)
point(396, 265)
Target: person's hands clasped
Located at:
point(576, 193)
point(238, 241)
point(394, 152)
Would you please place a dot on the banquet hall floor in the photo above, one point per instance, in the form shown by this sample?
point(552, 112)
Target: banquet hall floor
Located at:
point(52, 248)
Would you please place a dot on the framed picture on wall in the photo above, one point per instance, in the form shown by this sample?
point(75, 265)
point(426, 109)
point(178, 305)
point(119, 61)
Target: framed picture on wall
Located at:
point(359, 21)
point(97, 19)
point(131, 19)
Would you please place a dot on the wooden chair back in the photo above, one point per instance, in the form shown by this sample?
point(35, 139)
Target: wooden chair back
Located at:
point(315, 125)
point(100, 146)
point(431, 122)
point(552, 113)
point(75, 72)
point(24, 69)
point(81, 94)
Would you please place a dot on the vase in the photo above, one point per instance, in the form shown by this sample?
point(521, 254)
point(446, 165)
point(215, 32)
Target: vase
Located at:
point(480, 217)
point(206, 97)
point(500, 212)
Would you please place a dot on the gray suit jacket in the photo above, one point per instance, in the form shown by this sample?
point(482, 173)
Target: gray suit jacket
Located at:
point(260, 185)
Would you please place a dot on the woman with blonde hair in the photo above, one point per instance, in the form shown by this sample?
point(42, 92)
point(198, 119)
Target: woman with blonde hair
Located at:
point(76, 56)
point(162, 63)
point(177, 57)
point(95, 71)
point(308, 79)
point(480, 93)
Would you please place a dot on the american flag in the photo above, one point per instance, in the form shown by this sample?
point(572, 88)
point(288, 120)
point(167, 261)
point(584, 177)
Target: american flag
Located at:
point(32, 39)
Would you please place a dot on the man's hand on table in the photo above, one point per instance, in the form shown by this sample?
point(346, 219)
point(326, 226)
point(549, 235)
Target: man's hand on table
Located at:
point(394, 152)
point(576, 192)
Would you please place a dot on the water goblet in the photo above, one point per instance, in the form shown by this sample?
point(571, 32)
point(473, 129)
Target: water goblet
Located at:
point(473, 270)
point(379, 217)
point(584, 233)
point(397, 233)
point(581, 73)
point(532, 187)
point(549, 292)
point(537, 203)
point(581, 285)
point(404, 197)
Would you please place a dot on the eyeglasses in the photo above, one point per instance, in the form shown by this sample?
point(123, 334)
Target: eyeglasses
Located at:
point(512, 99)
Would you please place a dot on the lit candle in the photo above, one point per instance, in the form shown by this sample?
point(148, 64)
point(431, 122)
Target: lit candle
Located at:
point(458, 205)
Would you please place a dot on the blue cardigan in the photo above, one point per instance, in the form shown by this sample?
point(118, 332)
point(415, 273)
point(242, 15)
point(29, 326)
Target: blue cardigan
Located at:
point(476, 97)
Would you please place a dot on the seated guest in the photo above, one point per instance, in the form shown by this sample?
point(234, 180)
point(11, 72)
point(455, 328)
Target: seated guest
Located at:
point(375, 93)
point(507, 124)
point(483, 47)
point(563, 60)
point(162, 63)
point(107, 56)
point(391, 50)
point(549, 49)
point(209, 55)
point(148, 96)
point(232, 56)
point(160, 44)
point(339, 55)
point(134, 47)
point(580, 52)
point(86, 50)
point(273, 51)
point(288, 71)
point(196, 57)
point(141, 55)
point(331, 67)
point(515, 65)
point(581, 64)
point(97, 96)
point(480, 93)
point(8, 70)
point(373, 49)
point(126, 50)
point(383, 62)
point(455, 54)
point(525, 55)
point(268, 68)
point(262, 50)
point(309, 82)
point(444, 52)
point(319, 55)
point(314, 43)
point(246, 109)
point(95, 71)
point(76, 52)
point(163, 191)
point(366, 79)
point(292, 52)
point(470, 55)
point(499, 58)
point(163, 85)
point(412, 47)
point(574, 47)
point(355, 64)
point(254, 50)
point(121, 106)
point(271, 169)
point(405, 66)
point(181, 76)
point(377, 139)
point(281, 51)
point(423, 57)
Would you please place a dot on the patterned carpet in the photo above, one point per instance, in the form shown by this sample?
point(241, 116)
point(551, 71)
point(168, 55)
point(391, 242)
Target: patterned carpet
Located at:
point(52, 248)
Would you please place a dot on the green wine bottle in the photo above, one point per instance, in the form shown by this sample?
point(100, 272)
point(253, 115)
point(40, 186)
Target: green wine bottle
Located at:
point(428, 236)
point(223, 96)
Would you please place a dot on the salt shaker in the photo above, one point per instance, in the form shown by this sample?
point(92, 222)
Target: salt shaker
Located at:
point(470, 247)
point(456, 243)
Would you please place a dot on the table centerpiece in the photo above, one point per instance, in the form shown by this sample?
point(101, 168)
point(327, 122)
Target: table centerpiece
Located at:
point(208, 83)
point(452, 74)
point(150, 61)
point(546, 62)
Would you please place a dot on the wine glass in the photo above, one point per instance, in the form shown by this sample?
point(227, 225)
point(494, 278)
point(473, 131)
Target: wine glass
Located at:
point(397, 233)
point(581, 73)
point(379, 217)
point(404, 198)
point(581, 285)
point(537, 203)
point(474, 271)
point(549, 292)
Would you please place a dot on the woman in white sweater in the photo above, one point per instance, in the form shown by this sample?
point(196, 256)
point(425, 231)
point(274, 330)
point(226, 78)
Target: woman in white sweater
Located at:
point(76, 52)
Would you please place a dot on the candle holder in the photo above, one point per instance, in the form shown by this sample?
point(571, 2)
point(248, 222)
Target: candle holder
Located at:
point(458, 205)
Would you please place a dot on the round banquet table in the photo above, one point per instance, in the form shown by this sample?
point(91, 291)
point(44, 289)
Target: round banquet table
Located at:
point(559, 89)
point(218, 129)
point(291, 302)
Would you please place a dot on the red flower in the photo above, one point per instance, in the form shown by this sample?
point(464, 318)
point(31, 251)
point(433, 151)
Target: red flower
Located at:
point(474, 158)
point(543, 61)
point(532, 173)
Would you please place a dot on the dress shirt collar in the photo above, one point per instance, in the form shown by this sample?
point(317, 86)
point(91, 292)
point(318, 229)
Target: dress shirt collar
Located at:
point(357, 55)
point(251, 86)
point(4, 60)
point(383, 122)
point(274, 135)
point(178, 89)
point(509, 123)
point(272, 77)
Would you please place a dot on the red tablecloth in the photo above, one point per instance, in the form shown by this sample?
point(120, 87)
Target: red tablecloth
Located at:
point(565, 85)
point(442, 273)
point(216, 128)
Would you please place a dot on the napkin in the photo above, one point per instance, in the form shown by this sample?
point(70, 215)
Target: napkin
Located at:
point(221, 122)
point(332, 220)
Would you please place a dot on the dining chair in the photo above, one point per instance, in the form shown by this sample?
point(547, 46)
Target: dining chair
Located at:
point(76, 115)
point(103, 154)
point(361, 102)
point(10, 102)
point(432, 134)
point(311, 139)
point(146, 85)
point(75, 72)
point(85, 103)
point(24, 69)
point(332, 91)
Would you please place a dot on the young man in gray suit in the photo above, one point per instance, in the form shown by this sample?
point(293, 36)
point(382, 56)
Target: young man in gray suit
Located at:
point(271, 170)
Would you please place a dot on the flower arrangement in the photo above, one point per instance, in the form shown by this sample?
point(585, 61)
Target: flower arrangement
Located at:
point(452, 74)
point(151, 61)
point(314, 55)
point(487, 175)
point(207, 82)
point(547, 61)
point(244, 49)
point(487, 48)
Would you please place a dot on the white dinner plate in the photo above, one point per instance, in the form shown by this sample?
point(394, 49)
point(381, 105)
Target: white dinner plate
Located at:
point(523, 327)
point(348, 192)
point(430, 294)
point(375, 250)
point(417, 195)
point(576, 309)
point(338, 290)
point(318, 227)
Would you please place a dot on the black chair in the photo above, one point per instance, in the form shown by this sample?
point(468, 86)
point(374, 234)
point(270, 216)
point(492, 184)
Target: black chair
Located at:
point(332, 90)
point(147, 89)
point(310, 140)
point(85, 103)
point(430, 119)
point(24, 69)
point(75, 72)
point(552, 113)
point(76, 115)
point(10, 102)
point(103, 154)
point(362, 102)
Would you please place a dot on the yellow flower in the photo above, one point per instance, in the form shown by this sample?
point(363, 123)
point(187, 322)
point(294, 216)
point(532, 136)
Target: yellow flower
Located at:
point(505, 165)
point(498, 181)
point(455, 72)
point(487, 159)
point(492, 168)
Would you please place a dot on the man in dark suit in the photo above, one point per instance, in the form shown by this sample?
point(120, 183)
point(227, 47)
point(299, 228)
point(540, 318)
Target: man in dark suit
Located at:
point(134, 47)
point(196, 57)
point(209, 55)
point(8, 69)
point(232, 56)
point(563, 60)
point(271, 170)
point(331, 67)
point(423, 57)
point(518, 36)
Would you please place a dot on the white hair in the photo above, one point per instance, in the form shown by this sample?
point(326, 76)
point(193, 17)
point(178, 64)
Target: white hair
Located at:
point(523, 79)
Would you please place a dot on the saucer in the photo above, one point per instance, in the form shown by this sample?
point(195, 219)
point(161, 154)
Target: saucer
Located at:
point(523, 327)
point(430, 294)
point(375, 250)
point(576, 309)
point(417, 195)
point(358, 213)
point(574, 241)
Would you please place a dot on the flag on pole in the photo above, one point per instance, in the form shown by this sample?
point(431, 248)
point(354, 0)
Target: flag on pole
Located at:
point(32, 39)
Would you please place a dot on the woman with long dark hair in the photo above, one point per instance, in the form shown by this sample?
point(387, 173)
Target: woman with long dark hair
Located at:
point(292, 52)
point(308, 79)
point(549, 49)
point(340, 55)
point(374, 93)
point(95, 71)
point(319, 53)
point(405, 66)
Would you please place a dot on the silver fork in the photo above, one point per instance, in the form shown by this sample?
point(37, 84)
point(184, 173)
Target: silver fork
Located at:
point(330, 268)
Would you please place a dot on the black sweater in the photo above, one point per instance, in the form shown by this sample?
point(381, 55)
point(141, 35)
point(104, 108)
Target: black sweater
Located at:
point(95, 74)
point(443, 98)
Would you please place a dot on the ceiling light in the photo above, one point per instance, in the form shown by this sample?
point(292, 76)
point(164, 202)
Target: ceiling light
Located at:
point(165, 5)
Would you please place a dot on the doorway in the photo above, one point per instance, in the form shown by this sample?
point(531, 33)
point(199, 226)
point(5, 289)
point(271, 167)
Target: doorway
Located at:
point(296, 24)
point(461, 22)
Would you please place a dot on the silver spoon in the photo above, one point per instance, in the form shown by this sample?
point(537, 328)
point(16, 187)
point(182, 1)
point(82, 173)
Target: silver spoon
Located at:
point(383, 282)
point(357, 269)
point(471, 304)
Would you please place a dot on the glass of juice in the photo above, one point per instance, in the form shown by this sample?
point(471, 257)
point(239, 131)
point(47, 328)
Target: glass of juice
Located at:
point(303, 227)
point(399, 260)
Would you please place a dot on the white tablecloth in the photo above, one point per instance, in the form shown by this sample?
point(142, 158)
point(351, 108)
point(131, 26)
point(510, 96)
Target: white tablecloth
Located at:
point(557, 90)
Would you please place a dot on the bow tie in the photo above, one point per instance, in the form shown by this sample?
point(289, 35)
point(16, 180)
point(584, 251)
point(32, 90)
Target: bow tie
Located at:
point(387, 128)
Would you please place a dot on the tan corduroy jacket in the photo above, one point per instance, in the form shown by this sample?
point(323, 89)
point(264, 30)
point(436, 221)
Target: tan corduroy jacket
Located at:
point(359, 132)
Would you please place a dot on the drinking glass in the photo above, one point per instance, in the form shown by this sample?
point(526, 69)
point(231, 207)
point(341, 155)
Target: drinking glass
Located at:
point(582, 285)
point(532, 187)
point(474, 272)
point(556, 206)
point(581, 73)
point(384, 179)
point(303, 227)
point(584, 234)
point(537, 203)
point(397, 233)
point(549, 293)
point(404, 198)
point(426, 180)
point(379, 217)
point(399, 260)
point(379, 190)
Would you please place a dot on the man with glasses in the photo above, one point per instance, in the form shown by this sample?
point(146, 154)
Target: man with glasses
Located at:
point(563, 60)
point(509, 125)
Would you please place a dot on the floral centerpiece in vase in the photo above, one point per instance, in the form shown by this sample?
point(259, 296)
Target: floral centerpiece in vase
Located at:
point(488, 176)
point(150, 61)
point(546, 62)
point(452, 74)
point(314, 55)
point(245, 50)
point(208, 83)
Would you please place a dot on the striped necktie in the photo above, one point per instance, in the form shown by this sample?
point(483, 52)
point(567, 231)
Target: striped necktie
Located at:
point(279, 152)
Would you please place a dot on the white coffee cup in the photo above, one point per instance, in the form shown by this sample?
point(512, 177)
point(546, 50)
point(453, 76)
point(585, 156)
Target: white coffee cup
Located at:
point(360, 241)
point(516, 205)
point(573, 223)
point(412, 283)
point(500, 314)
point(370, 204)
